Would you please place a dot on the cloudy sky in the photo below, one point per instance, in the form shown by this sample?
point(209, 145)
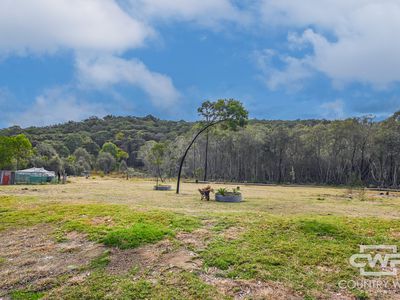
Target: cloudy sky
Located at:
point(66, 60)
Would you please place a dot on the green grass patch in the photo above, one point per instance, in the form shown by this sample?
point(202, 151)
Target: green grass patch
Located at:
point(308, 254)
point(177, 286)
point(185, 286)
point(136, 235)
point(224, 222)
point(26, 295)
point(102, 261)
point(100, 285)
point(123, 227)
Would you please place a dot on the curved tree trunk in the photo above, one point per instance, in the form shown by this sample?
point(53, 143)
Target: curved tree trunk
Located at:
point(188, 148)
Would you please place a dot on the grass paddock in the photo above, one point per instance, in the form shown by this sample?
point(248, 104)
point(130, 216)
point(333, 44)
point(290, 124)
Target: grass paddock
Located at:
point(110, 238)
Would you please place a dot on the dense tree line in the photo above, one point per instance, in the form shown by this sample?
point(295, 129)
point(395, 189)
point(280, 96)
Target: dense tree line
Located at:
point(351, 151)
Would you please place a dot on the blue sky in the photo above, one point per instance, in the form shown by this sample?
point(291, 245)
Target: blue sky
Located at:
point(67, 60)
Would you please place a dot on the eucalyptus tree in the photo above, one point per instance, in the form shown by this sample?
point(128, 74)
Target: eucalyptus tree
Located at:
point(14, 151)
point(153, 155)
point(123, 168)
point(55, 164)
point(73, 141)
point(22, 149)
point(106, 162)
point(207, 112)
point(157, 153)
point(227, 113)
point(115, 151)
point(6, 152)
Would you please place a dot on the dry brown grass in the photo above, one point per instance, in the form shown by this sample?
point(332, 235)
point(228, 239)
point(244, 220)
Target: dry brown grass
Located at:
point(280, 200)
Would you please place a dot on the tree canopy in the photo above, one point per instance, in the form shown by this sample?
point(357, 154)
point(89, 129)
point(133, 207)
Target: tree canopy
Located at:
point(153, 155)
point(229, 111)
point(14, 151)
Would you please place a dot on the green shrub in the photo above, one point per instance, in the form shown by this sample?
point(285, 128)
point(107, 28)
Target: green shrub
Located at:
point(222, 191)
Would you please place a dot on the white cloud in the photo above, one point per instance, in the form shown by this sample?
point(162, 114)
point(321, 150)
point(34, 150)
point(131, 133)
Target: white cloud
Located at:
point(45, 26)
point(323, 13)
point(56, 106)
point(352, 41)
point(208, 13)
point(349, 41)
point(48, 25)
point(291, 76)
point(333, 110)
point(106, 71)
point(97, 32)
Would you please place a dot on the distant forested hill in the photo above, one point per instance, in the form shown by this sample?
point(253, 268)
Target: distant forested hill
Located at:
point(129, 133)
point(352, 151)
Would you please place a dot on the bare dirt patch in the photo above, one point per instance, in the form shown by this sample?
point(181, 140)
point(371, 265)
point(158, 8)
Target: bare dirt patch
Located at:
point(395, 234)
point(238, 289)
point(108, 221)
point(152, 260)
point(198, 239)
point(155, 261)
point(32, 257)
point(122, 261)
point(182, 260)
point(232, 233)
point(249, 289)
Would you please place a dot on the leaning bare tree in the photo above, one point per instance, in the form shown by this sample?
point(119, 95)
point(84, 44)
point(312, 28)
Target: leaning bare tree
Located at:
point(228, 113)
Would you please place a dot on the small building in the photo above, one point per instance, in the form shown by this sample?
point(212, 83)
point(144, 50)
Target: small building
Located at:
point(27, 176)
point(34, 176)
